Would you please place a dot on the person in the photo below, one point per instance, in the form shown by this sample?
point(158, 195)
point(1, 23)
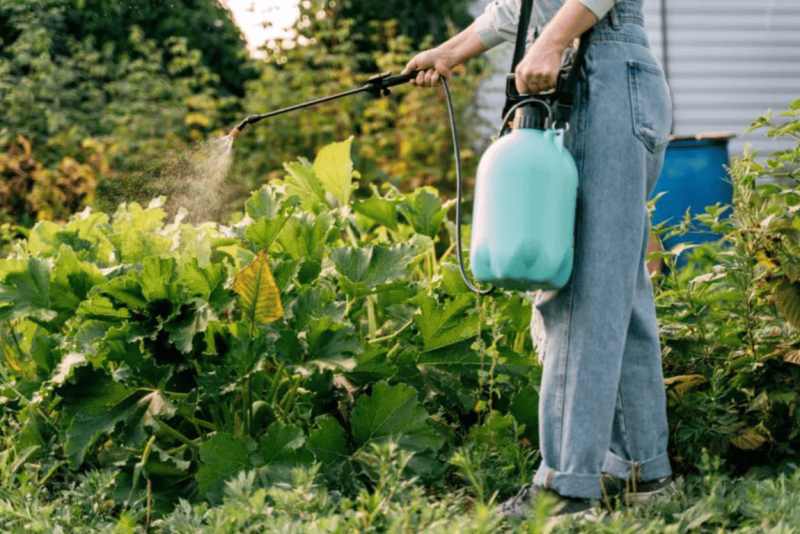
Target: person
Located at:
point(602, 407)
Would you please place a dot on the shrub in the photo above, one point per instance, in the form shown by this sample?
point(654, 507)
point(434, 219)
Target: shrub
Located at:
point(730, 321)
point(30, 192)
point(317, 328)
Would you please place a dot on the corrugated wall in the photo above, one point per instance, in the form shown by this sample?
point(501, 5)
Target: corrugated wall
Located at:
point(728, 61)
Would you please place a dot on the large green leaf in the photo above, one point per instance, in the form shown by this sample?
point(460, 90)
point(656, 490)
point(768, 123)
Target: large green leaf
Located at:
point(332, 343)
point(372, 365)
point(25, 290)
point(132, 418)
point(95, 405)
point(461, 358)
point(378, 209)
point(207, 283)
point(282, 450)
point(86, 233)
point(304, 236)
point(116, 345)
point(266, 203)
point(284, 444)
point(126, 290)
point(424, 211)
point(222, 456)
point(260, 299)
point(393, 412)
point(443, 324)
point(101, 308)
point(364, 269)
point(525, 409)
point(191, 321)
point(159, 280)
point(136, 232)
point(72, 279)
point(304, 184)
point(263, 232)
point(315, 305)
point(321, 320)
point(334, 169)
point(328, 442)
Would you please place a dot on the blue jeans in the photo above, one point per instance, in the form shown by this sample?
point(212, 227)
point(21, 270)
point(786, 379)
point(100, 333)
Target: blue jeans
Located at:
point(602, 405)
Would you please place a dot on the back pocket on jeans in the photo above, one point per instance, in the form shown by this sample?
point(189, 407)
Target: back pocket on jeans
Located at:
point(651, 105)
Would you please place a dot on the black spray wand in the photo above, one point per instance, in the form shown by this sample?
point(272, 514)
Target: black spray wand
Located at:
point(378, 86)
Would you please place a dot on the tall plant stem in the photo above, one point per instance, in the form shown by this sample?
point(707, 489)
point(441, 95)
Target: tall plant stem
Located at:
point(481, 349)
point(175, 434)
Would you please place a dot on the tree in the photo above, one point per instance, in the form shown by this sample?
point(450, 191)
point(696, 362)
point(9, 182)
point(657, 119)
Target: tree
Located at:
point(417, 19)
point(137, 96)
point(205, 24)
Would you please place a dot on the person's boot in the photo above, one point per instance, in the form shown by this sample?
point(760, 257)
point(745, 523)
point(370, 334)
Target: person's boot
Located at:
point(519, 505)
point(631, 492)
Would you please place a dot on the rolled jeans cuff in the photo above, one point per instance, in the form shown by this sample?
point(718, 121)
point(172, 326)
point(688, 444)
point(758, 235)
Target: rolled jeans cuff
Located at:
point(645, 471)
point(568, 484)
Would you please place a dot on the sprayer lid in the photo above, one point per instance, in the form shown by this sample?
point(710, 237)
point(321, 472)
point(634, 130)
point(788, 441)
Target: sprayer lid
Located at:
point(528, 117)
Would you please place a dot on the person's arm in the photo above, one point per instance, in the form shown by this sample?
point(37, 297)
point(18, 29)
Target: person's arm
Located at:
point(538, 70)
point(441, 60)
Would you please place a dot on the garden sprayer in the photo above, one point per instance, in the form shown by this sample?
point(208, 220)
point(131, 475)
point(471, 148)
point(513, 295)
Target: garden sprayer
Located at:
point(526, 187)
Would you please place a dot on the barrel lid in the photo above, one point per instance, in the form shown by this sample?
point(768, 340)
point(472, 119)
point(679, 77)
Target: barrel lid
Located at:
point(711, 136)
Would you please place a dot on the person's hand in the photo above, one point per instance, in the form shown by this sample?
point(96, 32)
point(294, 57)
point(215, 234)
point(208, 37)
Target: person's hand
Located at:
point(432, 65)
point(538, 70)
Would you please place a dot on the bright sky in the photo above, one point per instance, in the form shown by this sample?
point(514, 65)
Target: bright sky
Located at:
point(261, 20)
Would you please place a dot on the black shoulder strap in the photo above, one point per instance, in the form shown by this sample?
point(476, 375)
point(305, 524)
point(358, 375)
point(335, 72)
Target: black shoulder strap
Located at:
point(522, 32)
point(565, 92)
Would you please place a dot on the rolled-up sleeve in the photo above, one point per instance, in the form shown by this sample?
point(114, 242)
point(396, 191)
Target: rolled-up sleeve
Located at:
point(598, 7)
point(498, 23)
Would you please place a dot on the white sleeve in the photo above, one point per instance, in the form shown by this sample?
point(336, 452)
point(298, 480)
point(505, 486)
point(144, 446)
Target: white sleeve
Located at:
point(598, 7)
point(498, 23)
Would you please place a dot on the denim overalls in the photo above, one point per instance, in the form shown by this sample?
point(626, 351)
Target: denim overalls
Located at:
point(602, 406)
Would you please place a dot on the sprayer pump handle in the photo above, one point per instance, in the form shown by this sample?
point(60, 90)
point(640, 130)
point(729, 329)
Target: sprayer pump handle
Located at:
point(380, 83)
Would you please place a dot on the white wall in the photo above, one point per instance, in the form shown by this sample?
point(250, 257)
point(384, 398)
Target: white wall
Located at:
point(728, 61)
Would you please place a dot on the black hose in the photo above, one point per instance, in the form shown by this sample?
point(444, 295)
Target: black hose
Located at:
point(459, 195)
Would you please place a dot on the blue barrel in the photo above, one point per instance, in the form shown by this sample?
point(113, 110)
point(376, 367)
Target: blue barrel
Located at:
point(693, 178)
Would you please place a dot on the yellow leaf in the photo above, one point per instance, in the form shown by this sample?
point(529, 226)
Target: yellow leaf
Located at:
point(792, 357)
point(750, 440)
point(197, 119)
point(260, 297)
point(684, 382)
point(788, 298)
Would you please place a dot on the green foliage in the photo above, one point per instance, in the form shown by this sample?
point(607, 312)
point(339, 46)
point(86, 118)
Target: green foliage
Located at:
point(124, 337)
point(729, 321)
point(126, 356)
point(206, 25)
point(417, 19)
point(83, 89)
point(403, 139)
point(30, 191)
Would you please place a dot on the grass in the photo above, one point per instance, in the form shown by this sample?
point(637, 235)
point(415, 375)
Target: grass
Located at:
point(708, 502)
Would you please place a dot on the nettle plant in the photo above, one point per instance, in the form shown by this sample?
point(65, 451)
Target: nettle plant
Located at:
point(316, 328)
point(730, 321)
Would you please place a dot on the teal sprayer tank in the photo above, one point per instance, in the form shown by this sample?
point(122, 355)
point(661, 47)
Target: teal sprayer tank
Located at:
point(523, 219)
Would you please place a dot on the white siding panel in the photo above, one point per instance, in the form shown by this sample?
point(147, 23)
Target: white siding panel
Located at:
point(728, 61)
